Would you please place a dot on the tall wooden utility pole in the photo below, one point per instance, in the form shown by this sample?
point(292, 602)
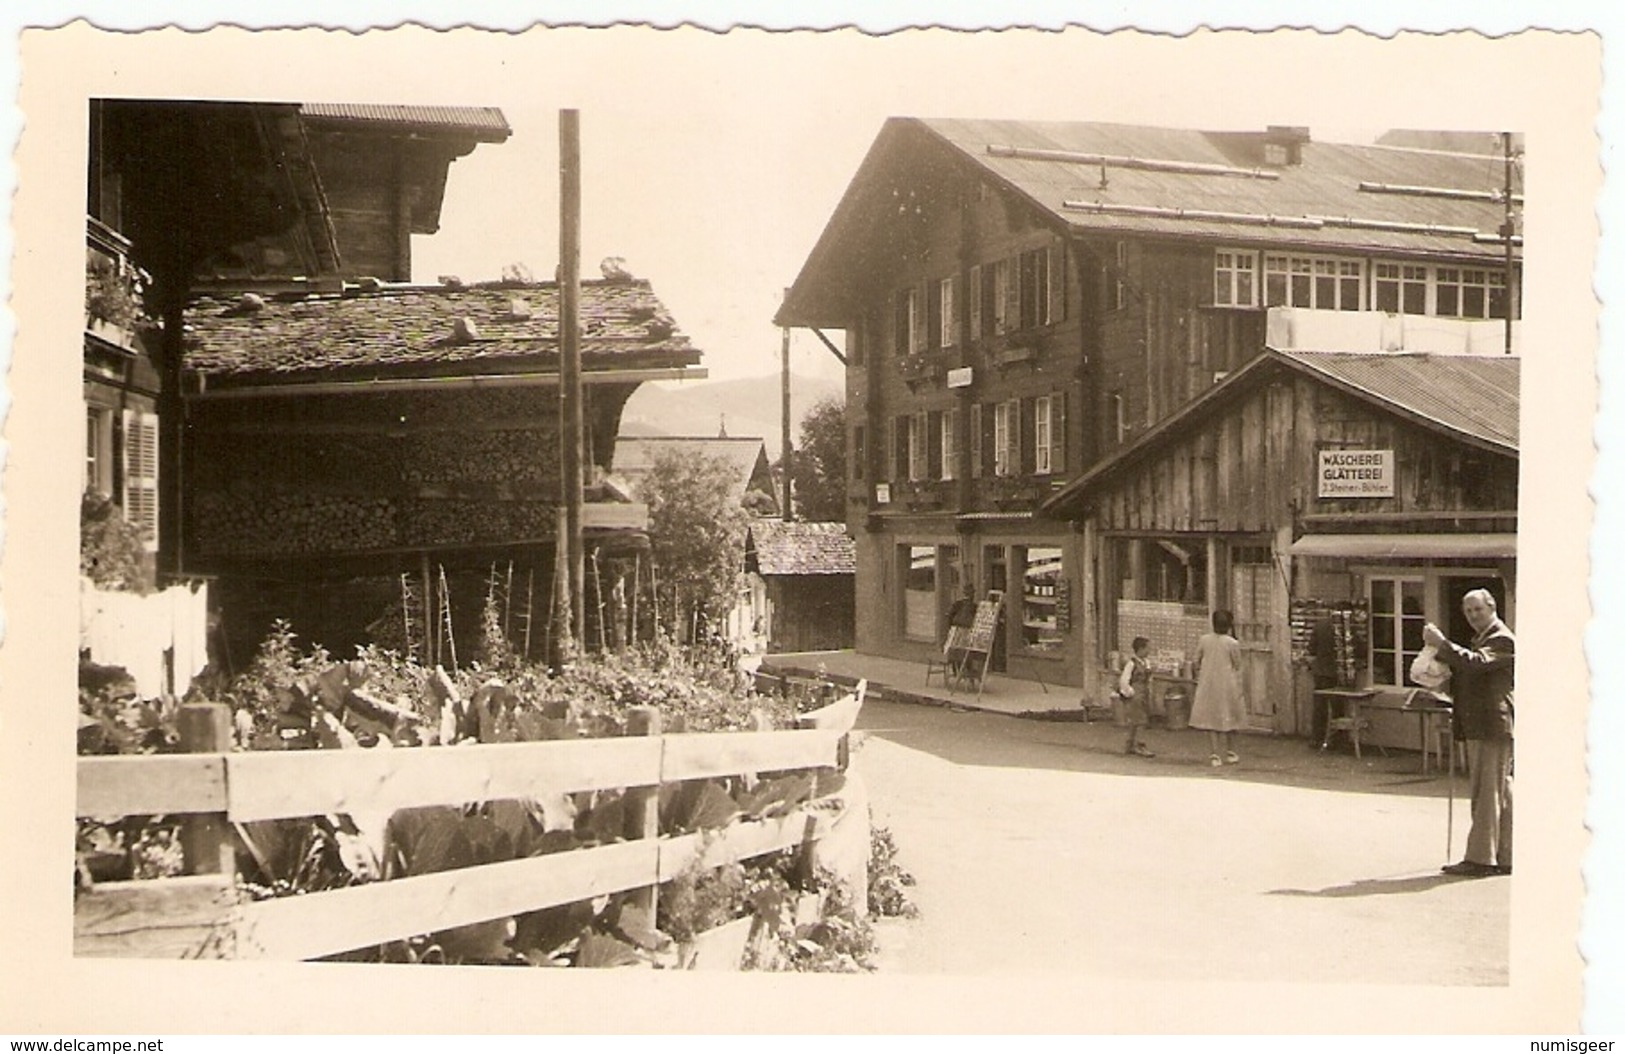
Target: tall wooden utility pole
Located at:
point(1506, 239)
point(570, 417)
point(784, 435)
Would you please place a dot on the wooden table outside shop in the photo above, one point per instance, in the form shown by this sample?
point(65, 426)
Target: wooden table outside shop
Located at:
point(1425, 705)
point(1348, 701)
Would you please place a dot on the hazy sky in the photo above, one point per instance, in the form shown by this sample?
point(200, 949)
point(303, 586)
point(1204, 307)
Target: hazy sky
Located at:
point(711, 168)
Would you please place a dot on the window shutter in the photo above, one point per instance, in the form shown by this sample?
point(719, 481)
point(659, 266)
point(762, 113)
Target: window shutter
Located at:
point(1012, 294)
point(141, 474)
point(920, 326)
point(990, 299)
point(933, 445)
point(888, 467)
point(1057, 433)
point(1023, 454)
point(1057, 283)
point(996, 296)
point(900, 461)
point(974, 296)
point(976, 441)
point(933, 315)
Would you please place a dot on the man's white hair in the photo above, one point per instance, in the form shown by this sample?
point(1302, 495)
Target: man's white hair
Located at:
point(1479, 594)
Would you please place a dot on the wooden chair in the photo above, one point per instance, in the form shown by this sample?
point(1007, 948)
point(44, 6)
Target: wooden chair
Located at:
point(953, 653)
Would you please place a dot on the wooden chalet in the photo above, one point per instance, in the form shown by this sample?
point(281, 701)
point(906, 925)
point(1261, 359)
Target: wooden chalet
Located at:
point(1376, 488)
point(183, 194)
point(803, 575)
point(753, 483)
point(1022, 300)
point(387, 435)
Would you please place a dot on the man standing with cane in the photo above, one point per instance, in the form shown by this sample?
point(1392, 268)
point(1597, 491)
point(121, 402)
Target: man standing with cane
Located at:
point(1482, 680)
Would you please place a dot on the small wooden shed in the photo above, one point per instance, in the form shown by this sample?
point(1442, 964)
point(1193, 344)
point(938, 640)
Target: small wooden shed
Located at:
point(805, 574)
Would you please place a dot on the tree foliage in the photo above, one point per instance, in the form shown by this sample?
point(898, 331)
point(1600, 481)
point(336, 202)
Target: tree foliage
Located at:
point(111, 553)
point(818, 468)
point(697, 530)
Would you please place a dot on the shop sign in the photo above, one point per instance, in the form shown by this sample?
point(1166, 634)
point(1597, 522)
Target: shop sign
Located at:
point(961, 377)
point(1356, 474)
point(882, 493)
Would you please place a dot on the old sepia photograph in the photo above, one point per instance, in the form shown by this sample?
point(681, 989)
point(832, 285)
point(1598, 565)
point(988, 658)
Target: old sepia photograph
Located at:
point(953, 509)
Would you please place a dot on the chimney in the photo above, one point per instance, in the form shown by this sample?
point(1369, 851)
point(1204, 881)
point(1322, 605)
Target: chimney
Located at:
point(1283, 144)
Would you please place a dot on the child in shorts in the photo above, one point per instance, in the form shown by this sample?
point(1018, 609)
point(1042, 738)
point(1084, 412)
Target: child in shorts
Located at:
point(1134, 689)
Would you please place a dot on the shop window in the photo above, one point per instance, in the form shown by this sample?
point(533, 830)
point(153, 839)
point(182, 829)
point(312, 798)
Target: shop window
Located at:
point(919, 591)
point(1040, 569)
point(1396, 627)
point(1172, 569)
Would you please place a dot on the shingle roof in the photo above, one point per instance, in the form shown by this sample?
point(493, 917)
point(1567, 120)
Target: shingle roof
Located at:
point(635, 456)
point(1470, 398)
point(485, 122)
point(801, 548)
point(1146, 189)
point(409, 331)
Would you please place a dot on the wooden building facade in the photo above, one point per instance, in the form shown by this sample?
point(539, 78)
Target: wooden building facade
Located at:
point(340, 442)
point(183, 195)
point(1384, 485)
point(802, 574)
point(1023, 300)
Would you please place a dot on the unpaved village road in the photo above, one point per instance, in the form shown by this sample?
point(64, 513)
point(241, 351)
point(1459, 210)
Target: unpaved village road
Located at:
point(1038, 847)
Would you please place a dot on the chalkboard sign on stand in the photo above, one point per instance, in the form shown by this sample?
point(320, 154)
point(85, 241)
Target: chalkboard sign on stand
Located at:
point(980, 644)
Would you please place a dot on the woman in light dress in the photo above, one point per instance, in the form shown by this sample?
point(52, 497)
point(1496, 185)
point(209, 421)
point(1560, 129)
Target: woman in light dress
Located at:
point(1219, 707)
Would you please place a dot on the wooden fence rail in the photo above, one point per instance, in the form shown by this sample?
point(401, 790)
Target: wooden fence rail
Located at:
point(172, 917)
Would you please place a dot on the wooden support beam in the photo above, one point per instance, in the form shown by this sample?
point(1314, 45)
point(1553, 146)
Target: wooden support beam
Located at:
point(206, 838)
point(643, 805)
point(833, 350)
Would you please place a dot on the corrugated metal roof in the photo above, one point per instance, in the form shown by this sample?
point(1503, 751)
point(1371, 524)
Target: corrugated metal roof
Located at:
point(409, 332)
point(802, 548)
point(1467, 397)
point(485, 122)
point(1325, 183)
point(1473, 396)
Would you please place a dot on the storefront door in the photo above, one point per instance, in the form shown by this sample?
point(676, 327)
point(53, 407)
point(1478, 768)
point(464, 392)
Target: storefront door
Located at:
point(1251, 586)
